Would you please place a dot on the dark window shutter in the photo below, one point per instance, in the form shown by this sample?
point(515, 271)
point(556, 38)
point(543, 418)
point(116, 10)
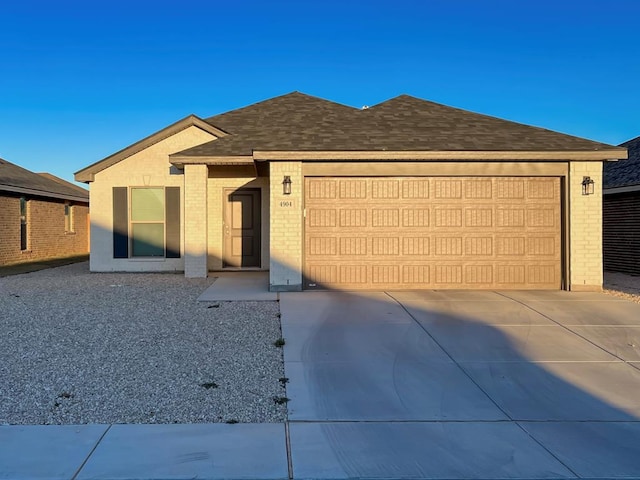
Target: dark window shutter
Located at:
point(172, 209)
point(120, 223)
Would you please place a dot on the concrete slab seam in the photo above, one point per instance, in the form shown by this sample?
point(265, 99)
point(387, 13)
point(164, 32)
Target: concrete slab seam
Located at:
point(566, 328)
point(287, 437)
point(448, 355)
point(512, 420)
point(75, 475)
point(287, 440)
point(521, 427)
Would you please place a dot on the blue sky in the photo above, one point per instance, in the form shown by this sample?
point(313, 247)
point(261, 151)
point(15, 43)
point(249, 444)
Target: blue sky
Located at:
point(80, 80)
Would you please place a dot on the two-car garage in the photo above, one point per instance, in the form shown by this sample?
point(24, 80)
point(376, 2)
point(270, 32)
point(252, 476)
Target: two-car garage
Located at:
point(433, 232)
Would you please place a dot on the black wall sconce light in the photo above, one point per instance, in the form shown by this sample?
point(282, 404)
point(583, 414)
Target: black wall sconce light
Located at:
point(587, 186)
point(286, 185)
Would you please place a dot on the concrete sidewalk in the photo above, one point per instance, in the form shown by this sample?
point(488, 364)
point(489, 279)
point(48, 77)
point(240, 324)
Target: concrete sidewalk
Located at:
point(204, 451)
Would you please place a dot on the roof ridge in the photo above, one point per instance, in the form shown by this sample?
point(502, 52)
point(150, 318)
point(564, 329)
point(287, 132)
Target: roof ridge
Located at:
point(294, 93)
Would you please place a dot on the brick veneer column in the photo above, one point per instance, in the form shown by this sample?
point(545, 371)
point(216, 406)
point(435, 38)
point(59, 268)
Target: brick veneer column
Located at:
point(195, 221)
point(585, 228)
point(286, 228)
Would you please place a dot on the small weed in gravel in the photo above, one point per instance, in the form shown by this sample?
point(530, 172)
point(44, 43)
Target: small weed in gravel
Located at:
point(280, 400)
point(279, 342)
point(209, 385)
point(283, 380)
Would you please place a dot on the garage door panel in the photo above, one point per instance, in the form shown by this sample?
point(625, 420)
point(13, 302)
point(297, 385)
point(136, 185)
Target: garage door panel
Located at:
point(478, 247)
point(438, 232)
point(416, 188)
point(510, 189)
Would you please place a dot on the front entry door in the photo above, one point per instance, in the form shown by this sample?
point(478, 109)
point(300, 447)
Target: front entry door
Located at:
point(241, 226)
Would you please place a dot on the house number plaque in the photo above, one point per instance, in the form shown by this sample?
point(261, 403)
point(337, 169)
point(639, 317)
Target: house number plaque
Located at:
point(286, 203)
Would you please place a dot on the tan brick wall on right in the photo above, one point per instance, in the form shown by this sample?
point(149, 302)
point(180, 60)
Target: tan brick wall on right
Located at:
point(585, 228)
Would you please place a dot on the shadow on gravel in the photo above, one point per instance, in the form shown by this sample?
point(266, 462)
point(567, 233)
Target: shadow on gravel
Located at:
point(29, 267)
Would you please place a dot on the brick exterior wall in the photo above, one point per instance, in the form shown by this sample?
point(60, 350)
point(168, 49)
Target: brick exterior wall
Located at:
point(46, 236)
point(195, 221)
point(149, 167)
point(286, 234)
point(585, 228)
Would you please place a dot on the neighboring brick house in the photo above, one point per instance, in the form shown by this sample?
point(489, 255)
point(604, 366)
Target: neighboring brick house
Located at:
point(621, 212)
point(41, 216)
point(405, 194)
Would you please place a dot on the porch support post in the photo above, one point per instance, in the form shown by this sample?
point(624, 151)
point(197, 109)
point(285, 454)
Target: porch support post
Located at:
point(195, 221)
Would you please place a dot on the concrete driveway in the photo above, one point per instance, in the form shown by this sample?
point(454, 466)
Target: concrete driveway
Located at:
point(462, 384)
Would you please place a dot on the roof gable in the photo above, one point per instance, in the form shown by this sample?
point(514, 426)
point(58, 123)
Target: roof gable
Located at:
point(19, 180)
point(625, 173)
point(87, 174)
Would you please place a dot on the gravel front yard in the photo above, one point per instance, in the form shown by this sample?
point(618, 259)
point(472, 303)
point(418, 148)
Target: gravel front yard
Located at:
point(77, 348)
point(623, 286)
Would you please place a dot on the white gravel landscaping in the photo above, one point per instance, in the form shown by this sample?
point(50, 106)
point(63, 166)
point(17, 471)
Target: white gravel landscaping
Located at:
point(77, 347)
point(622, 285)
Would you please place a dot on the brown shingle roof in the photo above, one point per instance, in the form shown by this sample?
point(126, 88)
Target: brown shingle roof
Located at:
point(19, 180)
point(299, 122)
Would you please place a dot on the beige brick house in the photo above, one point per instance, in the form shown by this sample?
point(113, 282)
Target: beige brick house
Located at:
point(406, 194)
point(41, 216)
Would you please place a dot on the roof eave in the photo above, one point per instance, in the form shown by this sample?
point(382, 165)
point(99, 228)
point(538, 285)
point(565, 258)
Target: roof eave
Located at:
point(623, 189)
point(467, 155)
point(180, 161)
point(42, 193)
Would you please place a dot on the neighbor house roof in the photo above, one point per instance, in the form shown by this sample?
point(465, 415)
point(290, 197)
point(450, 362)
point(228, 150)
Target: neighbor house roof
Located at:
point(627, 172)
point(19, 180)
point(302, 123)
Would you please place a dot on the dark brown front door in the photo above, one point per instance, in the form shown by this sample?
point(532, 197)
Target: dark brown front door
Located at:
point(241, 228)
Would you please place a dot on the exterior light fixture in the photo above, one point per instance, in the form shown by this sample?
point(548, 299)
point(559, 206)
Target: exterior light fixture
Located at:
point(587, 186)
point(286, 185)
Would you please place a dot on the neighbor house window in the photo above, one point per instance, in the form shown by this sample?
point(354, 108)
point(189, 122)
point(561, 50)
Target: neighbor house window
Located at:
point(68, 218)
point(147, 222)
point(23, 223)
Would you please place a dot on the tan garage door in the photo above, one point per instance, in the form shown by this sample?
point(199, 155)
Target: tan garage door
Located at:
point(433, 232)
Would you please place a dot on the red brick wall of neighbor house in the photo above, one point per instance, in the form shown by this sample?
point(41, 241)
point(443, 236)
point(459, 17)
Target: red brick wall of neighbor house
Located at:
point(46, 236)
point(9, 230)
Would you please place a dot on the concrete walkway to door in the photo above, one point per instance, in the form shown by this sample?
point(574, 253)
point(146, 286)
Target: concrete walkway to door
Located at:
point(457, 384)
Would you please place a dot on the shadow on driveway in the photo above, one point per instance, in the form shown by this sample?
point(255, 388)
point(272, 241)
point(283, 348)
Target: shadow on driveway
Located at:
point(452, 384)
